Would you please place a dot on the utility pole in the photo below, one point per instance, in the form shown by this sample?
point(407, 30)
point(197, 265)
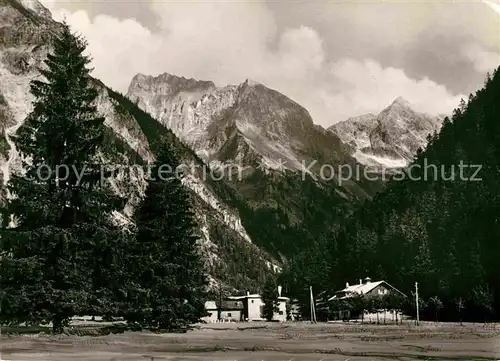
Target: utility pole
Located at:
point(311, 303)
point(313, 310)
point(460, 306)
point(219, 309)
point(416, 300)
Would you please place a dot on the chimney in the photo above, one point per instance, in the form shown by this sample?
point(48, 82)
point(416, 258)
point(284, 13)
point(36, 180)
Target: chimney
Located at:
point(368, 280)
point(279, 291)
point(360, 281)
point(346, 284)
point(248, 293)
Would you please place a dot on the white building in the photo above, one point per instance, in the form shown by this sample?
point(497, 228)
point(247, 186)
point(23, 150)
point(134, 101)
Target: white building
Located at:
point(211, 308)
point(254, 307)
point(249, 307)
point(367, 288)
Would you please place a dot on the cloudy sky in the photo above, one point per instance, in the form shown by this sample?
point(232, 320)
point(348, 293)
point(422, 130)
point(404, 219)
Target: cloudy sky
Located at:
point(336, 58)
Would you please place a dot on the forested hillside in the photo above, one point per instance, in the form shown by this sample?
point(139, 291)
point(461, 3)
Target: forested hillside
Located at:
point(232, 256)
point(439, 226)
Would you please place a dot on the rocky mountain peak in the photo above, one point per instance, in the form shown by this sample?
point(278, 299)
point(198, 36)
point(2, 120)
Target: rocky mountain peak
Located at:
point(36, 7)
point(263, 103)
point(399, 113)
point(251, 82)
point(401, 102)
point(168, 84)
point(22, 30)
point(29, 8)
point(241, 124)
point(389, 139)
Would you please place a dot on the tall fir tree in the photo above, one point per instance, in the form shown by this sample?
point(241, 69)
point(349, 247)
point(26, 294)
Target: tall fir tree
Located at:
point(61, 255)
point(270, 298)
point(169, 271)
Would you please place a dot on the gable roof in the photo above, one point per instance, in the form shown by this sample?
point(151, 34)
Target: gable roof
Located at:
point(280, 298)
point(361, 289)
point(243, 297)
point(210, 305)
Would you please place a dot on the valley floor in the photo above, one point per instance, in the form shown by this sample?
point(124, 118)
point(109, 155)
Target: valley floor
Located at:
point(269, 342)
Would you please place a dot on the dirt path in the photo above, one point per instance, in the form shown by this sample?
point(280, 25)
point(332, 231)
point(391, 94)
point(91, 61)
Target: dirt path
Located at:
point(268, 342)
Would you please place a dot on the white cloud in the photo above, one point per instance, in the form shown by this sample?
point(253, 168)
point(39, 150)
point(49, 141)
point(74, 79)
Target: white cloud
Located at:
point(301, 50)
point(228, 42)
point(369, 87)
point(483, 60)
point(494, 5)
point(119, 48)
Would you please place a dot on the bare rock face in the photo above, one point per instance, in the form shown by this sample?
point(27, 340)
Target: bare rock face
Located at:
point(241, 124)
point(183, 105)
point(390, 139)
point(26, 29)
point(273, 143)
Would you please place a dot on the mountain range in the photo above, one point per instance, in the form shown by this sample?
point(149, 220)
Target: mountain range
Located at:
point(242, 124)
point(280, 202)
point(288, 166)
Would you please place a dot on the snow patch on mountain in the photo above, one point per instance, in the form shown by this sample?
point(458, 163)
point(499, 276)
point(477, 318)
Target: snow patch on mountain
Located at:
point(376, 161)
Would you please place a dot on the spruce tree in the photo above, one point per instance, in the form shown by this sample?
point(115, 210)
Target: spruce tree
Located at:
point(168, 268)
point(270, 298)
point(60, 257)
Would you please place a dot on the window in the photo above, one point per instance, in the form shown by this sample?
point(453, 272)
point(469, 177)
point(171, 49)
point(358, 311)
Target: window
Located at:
point(281, 313)
point(229, 314)
point(252, 301)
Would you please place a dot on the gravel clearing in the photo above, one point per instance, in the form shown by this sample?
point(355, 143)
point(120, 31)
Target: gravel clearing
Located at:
point(268, 342)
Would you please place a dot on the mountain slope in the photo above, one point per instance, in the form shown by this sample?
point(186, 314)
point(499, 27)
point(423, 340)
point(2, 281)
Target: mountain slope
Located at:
point(439, 228)
point(25, 34)
point(390, 139)
point(284, 166)
point(237, 124)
